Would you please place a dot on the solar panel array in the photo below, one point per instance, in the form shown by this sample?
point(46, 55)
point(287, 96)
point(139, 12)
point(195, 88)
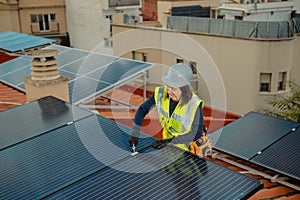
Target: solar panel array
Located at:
point(262, 139)
point(14, 41)
point(91, 158)
point(90, 73)
point(35, 118)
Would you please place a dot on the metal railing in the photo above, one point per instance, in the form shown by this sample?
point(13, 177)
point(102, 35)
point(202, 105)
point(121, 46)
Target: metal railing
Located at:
point(235, 28)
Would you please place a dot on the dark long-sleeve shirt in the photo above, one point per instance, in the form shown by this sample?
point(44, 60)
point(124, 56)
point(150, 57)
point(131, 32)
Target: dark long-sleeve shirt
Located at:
point(197, 126)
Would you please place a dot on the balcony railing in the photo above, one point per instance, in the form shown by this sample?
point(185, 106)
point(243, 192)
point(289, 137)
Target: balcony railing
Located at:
point(53, 29)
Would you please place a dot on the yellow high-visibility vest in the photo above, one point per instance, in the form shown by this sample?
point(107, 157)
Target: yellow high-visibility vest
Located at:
point(180, 122)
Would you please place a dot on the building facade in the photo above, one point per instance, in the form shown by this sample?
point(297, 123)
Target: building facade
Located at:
point(36, 17)
point(89, 22)
point(232, 73)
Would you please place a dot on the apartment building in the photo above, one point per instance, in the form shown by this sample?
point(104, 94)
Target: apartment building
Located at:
point(236, 67)
point(36, 17)
point(89, 22)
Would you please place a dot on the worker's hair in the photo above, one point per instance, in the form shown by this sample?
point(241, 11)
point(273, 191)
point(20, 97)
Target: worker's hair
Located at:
point(186, 94)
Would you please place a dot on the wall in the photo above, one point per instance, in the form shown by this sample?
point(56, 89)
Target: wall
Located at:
point(26, 20)
point(239, 62)
point(10, 14)
point(40, 3)
point(86, 25)
point(164, 8)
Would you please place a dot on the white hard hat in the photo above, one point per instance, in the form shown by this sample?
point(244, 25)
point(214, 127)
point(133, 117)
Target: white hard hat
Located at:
point(178, 75)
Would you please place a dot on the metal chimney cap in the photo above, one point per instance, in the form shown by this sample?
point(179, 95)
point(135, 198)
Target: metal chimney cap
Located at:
point(42, 53)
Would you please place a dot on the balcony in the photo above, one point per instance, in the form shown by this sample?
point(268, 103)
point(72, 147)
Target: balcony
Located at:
point(38, 29)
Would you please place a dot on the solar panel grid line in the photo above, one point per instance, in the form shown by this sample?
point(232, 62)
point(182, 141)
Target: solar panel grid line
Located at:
point(48, 184)
point(16, 70)
point(211, 194)
point(119, 182)
point(233, 192)
point(283, 156)
point(114, 192)
point(141, 190)
point(69, 57)
point(57, 158)
point(237, 135)
point(211, 184)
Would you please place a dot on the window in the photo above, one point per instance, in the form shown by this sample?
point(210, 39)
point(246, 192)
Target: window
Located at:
point(265, 82)
point(281, 81)
point(108, 42)
point(193, 66)
point(43, 20)
point(53, 17)
point(34, 19)
point(179, 60)
point(140, 56)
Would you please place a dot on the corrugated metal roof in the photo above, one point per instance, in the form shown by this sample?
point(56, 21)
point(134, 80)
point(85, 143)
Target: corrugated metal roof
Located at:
point(14, 41)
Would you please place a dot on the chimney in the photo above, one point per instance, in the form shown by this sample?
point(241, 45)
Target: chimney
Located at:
point(45, 79)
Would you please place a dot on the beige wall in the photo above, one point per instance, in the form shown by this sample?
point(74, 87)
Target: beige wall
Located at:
point(239, 62)
point(9, 18)
point(296, 60)
point(164, 8)
point(29, 7)
point(60, 16)
point(40, 3)
point(86, 24)
point(16, 16)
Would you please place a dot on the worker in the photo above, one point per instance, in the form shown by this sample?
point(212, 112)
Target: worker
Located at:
point(180, 110)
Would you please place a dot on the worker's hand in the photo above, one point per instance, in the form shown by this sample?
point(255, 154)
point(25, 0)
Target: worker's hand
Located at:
point(133, 141)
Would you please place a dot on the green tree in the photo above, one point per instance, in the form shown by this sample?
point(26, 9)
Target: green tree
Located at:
point(285, 106)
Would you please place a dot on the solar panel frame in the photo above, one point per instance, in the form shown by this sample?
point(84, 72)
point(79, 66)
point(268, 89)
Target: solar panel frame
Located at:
point(282, 156)
point(149, 175)
point(250, 134)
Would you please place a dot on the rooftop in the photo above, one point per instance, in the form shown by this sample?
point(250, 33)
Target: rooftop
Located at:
point(11, 97)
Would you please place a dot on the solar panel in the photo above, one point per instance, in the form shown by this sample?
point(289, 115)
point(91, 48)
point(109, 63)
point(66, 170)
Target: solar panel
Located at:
point(283, 156)
point(31, 119)
point(13, 65)
point(168, 173)
point(250, 134)
point(91, 73)
point(13, 41)
point(51, 161)
point(84, 87)
point(118, 70)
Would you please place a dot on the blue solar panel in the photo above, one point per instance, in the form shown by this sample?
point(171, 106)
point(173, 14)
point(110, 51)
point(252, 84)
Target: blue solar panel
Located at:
point(250, 134)
point(13, 41)
point(13, 65)
point(163, 174)
point(51, 161)
point(118, 70)
point(84, 87)
point(17, 77)
point(37, 117)
point(283, 156)
point(70, 56)
point(89, 64)
point(90, 72)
